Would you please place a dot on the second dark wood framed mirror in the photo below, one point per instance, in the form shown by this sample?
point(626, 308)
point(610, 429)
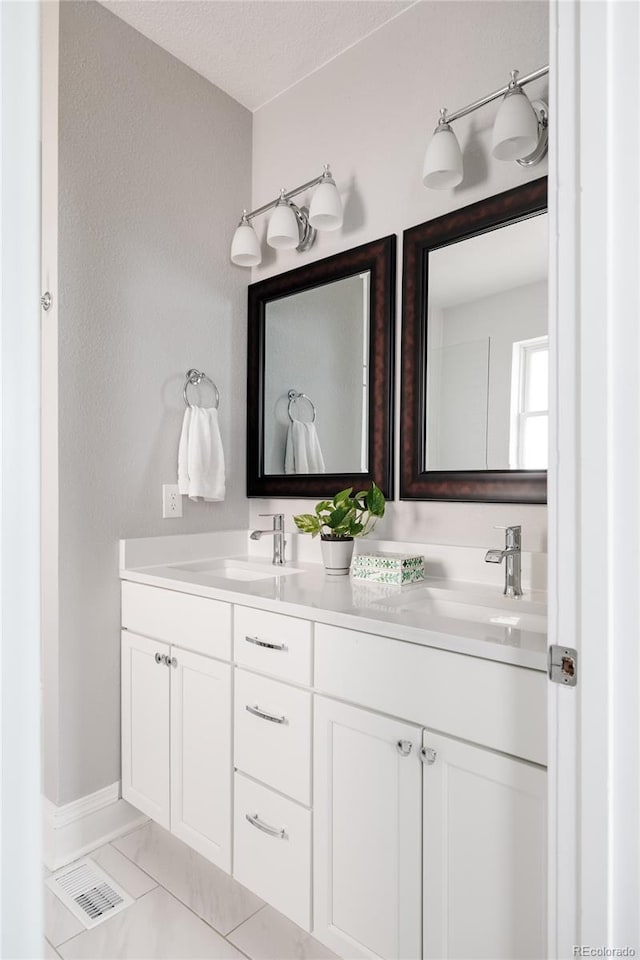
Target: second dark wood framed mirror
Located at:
point(320, 376)
point(474, 415)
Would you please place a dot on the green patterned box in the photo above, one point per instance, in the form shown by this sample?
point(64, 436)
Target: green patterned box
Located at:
point(399, 568)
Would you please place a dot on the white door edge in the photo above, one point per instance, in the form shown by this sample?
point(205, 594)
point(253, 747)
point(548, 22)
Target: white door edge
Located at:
point(594, 476)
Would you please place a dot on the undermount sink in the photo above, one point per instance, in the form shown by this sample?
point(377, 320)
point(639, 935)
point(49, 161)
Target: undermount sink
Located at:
point(521, 620)
point(474, 606)
point(230, 569)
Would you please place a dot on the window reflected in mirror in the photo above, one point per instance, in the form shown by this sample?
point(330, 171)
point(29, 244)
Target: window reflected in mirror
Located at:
point(487, 351)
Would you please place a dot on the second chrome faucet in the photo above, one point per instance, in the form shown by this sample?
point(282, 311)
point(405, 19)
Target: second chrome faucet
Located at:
point(512, 554)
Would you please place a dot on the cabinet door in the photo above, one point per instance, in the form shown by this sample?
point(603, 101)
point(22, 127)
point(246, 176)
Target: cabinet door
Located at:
point(484, 853)
point(367, 833)
point(201, 755)
point(145, 726)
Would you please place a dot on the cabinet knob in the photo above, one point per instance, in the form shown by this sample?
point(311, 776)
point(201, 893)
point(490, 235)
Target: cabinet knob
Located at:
point(428, 755)
point(159, 658)
point(404, 747)
point(172, 662)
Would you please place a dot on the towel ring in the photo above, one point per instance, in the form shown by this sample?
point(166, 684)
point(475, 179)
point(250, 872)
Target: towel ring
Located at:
point(293, 397)
point(194, 377)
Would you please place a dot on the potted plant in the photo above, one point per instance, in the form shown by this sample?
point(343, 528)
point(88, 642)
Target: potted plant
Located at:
point(339, 520)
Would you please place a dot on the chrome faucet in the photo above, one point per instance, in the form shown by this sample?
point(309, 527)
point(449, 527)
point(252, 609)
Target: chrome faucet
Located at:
point(512, 553)
point(277, 532)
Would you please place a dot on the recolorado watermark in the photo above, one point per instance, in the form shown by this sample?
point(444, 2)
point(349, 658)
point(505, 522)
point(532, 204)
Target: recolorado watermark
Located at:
point(583, 951)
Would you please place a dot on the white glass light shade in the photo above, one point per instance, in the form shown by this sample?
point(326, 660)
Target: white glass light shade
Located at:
point(515, 132)
point(325, 211)
point(245, 248)
point(443, 160)
point(283, 231)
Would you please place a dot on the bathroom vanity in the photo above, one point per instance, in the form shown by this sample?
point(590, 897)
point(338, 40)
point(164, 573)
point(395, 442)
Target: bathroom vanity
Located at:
point(369, 761)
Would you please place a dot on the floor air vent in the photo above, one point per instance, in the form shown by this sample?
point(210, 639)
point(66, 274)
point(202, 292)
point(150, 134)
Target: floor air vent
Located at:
point(88, 892)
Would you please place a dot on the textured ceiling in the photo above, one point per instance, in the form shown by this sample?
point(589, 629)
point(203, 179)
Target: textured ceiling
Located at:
point(255, 49)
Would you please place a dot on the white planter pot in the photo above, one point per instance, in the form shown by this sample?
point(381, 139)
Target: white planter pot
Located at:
point(336, 555)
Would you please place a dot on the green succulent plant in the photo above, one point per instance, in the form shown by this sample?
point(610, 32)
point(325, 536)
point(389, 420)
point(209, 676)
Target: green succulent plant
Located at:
point(347, 515)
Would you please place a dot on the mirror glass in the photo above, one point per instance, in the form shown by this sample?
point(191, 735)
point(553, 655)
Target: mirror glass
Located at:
point(316, 399)
point(487, 351)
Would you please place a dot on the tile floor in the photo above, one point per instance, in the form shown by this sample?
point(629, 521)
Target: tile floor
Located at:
point(184, 909)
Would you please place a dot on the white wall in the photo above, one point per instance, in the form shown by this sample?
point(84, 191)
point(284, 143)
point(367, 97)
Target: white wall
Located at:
point(370, 112)
point(154, 164)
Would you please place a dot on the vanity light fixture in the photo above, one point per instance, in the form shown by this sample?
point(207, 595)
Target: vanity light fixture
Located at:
point(289, 225)
point(520, 132)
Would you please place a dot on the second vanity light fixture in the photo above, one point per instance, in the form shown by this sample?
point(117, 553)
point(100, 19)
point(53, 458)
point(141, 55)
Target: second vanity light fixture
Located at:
point(290, 226)
point(520, 132)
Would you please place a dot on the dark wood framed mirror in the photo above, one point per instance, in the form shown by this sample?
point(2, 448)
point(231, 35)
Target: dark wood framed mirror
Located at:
point(320, 376)
point(474, 399)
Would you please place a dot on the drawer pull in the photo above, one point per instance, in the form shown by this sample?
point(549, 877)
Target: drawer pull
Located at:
point(257, 712)
point(263, 643)
point(255, 821)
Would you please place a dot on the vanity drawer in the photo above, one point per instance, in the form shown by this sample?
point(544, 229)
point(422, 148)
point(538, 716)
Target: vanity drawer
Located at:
point(272, 853)
point(195, 623)
point(273, 643)
point(494, 704)
point(273, 734)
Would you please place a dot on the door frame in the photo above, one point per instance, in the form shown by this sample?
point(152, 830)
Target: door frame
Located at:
point(594, 475)
point(20, 805)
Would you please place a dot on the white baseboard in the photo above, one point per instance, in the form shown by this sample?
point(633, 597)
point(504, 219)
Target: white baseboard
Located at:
point(77, 828)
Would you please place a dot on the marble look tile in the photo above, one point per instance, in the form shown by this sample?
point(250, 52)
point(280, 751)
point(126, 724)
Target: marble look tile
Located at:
point(268, 935)
point(124, 872)
point(155, 927)
point(59, 923)
point(205, 889)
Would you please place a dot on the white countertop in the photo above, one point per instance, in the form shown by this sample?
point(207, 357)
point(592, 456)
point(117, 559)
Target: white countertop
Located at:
point(468, 618)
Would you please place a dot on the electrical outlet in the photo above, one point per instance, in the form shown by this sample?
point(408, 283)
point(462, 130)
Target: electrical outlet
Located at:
point(171, 501)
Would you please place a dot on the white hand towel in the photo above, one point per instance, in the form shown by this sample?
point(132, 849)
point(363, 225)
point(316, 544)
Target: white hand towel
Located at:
point(289, 458)
point(302, 450)
point(200, 455)
point(295, 456)
point(183, 447)
point(314, 453)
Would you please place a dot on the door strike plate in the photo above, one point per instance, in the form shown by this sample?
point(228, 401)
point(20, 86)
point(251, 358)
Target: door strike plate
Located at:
point(563, 665)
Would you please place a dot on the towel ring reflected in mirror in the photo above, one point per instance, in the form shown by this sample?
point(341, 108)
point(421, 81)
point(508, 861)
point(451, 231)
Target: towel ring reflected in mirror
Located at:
point(195, 377)
point(348, 299)
point(294, 396)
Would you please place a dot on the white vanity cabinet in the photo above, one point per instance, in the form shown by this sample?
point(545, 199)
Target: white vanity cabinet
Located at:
point(272, 734)
point(368, 811)
point(484, 863)
point(300, 756)
point(146, 726)
point(272, 848)
point(201, 754)
point(176, 717)
point(272, 758)
point(464, 820)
